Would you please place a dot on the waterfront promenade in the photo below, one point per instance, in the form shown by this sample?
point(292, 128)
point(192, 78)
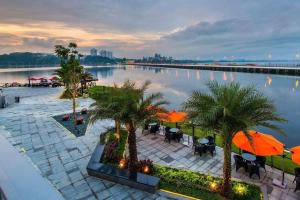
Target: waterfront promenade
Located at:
point(61, 158)
point(293, 71)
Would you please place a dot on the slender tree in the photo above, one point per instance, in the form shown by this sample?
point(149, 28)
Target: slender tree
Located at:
point(137, 109)
point(230, 108)
point(70, 71)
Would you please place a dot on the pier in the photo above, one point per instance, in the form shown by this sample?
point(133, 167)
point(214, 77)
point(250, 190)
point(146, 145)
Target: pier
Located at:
point(293, 71)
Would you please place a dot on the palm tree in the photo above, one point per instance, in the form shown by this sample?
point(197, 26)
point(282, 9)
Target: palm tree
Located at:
point(108, 105)
point(137, 109)
point(70, 71)
point(228, 109)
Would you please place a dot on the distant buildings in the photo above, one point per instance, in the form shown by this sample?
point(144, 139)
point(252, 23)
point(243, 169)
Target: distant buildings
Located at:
point(106, 54)
point(157, 59)
point(93, 52)
point(102, 53)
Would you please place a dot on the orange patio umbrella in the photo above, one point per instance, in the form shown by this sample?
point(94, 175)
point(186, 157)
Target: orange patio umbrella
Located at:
point(173, 116)
point(262, 144)
point(296, 154)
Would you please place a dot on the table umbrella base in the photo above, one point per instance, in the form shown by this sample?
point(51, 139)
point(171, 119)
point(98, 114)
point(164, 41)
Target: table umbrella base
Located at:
point(278, 183)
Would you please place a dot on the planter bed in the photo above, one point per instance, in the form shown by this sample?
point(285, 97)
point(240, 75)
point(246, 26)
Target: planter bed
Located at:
point(108, 172)
point(69, 124)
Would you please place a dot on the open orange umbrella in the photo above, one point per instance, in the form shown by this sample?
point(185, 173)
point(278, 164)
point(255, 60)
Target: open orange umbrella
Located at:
point(173, 116)
point(296, 154)
point(262, 144)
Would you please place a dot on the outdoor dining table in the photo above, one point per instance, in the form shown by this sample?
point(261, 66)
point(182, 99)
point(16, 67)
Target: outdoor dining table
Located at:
point(174, 130)
point(248, 157)
point(203, 141)
point(153, 124)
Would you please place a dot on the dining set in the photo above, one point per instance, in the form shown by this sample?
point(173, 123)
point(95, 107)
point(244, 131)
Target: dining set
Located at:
point(170, 134)
point(204, 145)
point(173, 134)
point(251, 163)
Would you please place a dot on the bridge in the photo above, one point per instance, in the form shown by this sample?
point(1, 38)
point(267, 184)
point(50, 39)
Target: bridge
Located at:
point(285, 70)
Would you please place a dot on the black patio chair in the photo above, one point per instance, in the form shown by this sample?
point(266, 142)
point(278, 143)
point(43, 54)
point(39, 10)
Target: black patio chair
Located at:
point(239, 162)
point(153, 129)
point(253, 169)
point(195, 141)
point(297, 173)
point(168, 137)
point(146, 128)
point(211, 148)
point(211, 139)
point(297, 179)
point(179, 136)
point(167, 129)
point(199, 149)
point(157, 126)
point(261, 162)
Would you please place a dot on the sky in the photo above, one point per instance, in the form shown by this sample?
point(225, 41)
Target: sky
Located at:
point(183, 29)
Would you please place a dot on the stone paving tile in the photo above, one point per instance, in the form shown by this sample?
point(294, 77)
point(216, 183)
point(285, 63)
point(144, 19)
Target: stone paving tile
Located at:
point(60, 156)
point(181, 156)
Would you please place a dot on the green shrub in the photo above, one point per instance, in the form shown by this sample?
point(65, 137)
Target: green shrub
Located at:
point(196, 184)
point(114, 149)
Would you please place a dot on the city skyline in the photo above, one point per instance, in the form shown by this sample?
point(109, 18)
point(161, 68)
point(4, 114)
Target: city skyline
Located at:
point(190, 29)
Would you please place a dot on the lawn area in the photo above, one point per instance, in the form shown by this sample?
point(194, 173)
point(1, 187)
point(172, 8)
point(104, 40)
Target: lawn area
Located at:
point(278, 161)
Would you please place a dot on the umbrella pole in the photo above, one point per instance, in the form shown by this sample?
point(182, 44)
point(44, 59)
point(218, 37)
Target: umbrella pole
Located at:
point(272, 161)
point(282, 182)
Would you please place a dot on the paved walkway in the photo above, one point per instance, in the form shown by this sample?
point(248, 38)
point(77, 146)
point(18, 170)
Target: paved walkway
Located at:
point(62, 158)
point(56, 153)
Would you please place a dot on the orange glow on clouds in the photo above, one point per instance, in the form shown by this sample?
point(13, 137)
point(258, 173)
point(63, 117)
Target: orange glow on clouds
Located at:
point(63, 32)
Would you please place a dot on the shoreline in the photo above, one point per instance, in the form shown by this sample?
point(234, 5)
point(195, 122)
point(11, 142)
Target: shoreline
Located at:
point(3, 70)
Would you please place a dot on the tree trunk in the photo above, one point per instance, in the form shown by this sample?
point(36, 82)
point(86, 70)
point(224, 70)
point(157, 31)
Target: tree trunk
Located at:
point(226, 188)
point(118, 127)
point(74, 106)
point(132, 148)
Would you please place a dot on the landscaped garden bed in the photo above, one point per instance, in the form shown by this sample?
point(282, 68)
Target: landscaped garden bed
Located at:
point(105, 164)
point(80, 129)
point(202, 186)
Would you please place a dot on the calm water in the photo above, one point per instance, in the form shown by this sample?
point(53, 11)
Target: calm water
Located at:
point(178, 84)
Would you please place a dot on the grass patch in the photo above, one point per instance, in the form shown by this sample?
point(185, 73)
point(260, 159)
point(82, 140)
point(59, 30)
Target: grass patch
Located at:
point(80, 128)
point(278, 162)
point(202, 186)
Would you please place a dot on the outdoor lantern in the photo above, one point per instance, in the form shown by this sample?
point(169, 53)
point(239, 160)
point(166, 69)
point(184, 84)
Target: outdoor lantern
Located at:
point(122, 164)
point(146, 169)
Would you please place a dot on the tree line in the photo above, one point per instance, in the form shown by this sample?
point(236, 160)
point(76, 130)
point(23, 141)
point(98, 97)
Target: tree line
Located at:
point(33, 59)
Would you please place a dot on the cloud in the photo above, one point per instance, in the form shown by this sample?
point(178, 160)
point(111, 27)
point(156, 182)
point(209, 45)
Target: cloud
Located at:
point(134, 28)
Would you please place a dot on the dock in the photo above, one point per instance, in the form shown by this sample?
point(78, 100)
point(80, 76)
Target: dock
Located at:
point(292, 71)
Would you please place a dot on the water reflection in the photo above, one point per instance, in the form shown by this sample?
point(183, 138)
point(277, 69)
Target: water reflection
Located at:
point(178, 84)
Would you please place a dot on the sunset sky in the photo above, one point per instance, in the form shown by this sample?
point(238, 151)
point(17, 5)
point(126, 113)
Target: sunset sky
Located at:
point(198, 29)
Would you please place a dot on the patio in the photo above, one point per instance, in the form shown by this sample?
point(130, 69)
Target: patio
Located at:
point(62, 158)
point(181, 156)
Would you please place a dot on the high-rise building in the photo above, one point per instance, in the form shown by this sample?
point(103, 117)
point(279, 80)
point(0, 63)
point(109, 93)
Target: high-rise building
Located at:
point(106, 54)
point(93, 52)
